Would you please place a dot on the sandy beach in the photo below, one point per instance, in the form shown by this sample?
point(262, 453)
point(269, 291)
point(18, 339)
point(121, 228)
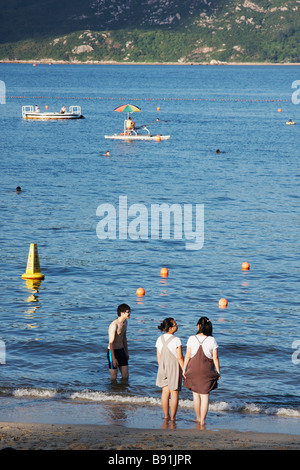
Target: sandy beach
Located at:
point(25, 436)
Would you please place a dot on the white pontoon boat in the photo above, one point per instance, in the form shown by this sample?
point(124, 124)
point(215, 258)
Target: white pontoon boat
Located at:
point(74, 112)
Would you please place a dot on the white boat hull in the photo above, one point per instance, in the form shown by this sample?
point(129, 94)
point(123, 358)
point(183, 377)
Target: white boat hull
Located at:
point(137, 137)
point(50, 116)
point(74, 112)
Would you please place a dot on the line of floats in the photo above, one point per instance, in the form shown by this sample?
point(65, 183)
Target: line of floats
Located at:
point(130, 131)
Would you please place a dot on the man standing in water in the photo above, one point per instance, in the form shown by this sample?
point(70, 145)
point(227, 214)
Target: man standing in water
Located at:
point(117, 352)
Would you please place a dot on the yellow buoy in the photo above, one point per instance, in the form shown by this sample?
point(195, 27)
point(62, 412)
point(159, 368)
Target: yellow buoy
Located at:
point(33, 270)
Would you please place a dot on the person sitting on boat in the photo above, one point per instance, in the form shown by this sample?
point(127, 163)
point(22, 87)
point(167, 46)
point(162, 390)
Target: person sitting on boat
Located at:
point(130, 124)
point(63, 109)
point(37, 109)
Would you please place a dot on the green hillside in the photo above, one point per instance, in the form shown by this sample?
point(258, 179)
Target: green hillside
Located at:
point(198, 31)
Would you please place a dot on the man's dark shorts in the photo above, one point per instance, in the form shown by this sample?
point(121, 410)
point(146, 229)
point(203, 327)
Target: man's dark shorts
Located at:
point(121, 357)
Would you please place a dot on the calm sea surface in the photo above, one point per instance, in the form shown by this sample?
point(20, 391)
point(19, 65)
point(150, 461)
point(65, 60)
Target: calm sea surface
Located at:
point(55, 336)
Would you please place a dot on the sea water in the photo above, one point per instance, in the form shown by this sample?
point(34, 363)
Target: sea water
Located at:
point(54, 336)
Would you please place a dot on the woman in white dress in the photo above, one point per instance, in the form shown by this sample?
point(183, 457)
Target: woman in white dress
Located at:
point(170, 365)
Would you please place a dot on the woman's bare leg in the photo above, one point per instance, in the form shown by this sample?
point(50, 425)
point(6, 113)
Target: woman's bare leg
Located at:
point(204, 407)
point(197, 406)
point(200, 406)
point(174, 403)
point(165, 394)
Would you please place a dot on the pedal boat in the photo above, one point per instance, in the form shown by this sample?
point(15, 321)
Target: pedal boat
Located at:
point(131, 135)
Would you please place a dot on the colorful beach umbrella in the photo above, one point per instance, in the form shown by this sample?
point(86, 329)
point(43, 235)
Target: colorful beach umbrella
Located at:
point(128, 108)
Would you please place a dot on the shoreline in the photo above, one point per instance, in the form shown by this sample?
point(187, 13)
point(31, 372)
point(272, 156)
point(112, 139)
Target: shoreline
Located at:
point(34, 436)
point(39, 424)
point(99, 62)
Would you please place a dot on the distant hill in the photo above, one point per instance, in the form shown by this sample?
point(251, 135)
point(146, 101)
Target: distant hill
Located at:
point(198, 31)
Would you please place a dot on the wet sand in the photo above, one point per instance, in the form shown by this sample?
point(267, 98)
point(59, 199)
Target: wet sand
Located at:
point(27, 436)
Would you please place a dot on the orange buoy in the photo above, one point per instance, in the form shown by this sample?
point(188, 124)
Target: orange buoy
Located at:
point(140, 292)
point(279, 110)
point(223, 303)
point(158, 138)
point(164, 272)
point(246, 266)
point(158, 108)
point(46, 106)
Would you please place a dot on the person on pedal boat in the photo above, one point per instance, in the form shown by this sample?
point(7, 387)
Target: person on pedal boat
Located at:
point(130, 124)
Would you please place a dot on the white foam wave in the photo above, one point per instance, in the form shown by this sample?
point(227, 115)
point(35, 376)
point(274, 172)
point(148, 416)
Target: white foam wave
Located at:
point(251, 408)
point(105, 397)
point(102, 397)
point(289, 412)
point(34, 392)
